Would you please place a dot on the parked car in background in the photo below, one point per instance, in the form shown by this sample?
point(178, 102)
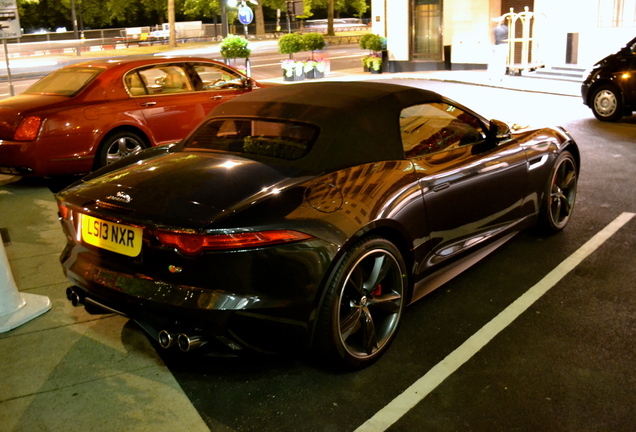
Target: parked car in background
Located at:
point(308, 216)
point(610, 88)
point(87, 115)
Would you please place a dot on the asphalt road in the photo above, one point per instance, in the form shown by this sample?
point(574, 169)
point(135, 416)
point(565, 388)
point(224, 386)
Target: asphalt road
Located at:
point(563, 361)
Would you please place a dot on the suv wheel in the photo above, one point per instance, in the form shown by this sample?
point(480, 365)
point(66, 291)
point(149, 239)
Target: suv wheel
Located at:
point(607, 103)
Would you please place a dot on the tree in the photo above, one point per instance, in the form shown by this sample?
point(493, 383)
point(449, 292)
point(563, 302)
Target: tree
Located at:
point(171, 21)
point(330, 30)
point(199, 9)
point(50, 14)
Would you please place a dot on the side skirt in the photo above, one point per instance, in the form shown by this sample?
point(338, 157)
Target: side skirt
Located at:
point(437, 279)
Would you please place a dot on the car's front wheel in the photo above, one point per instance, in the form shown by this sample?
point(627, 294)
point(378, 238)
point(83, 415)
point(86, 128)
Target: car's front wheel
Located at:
point(560, 194)
point(363, 303)
point(117, 146)
point(607, 104)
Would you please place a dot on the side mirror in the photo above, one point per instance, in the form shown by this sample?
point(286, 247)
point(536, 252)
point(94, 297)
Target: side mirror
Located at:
point(499, 130)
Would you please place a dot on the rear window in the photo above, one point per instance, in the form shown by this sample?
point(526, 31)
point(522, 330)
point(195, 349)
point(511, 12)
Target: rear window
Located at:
point(270, 138)
point(64, 82)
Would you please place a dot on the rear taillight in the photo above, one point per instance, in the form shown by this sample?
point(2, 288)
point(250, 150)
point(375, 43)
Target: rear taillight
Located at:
point(62, 211)
point(28, 129)
point(192, 244)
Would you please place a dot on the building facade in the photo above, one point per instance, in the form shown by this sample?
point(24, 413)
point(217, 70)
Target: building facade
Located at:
point(458, 34)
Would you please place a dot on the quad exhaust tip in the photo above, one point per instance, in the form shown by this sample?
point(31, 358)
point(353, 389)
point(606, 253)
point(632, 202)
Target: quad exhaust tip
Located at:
point(73, 297)
point(166, 339)
point(188, 343)
point(183, 341)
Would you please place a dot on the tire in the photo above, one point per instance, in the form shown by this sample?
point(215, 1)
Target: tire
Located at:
point(362, 305)
point(116, 146)
point(560, 195)
point(607, 104)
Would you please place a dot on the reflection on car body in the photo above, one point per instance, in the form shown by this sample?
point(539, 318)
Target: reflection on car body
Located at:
point(310, 215)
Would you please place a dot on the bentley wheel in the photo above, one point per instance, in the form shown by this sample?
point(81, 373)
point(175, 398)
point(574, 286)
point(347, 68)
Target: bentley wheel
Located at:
point(361, 310)
point(607, 104)
point(117, 146)
point(560, 194)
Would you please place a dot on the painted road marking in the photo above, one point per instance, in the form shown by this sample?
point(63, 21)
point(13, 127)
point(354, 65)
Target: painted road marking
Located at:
point(399, 406)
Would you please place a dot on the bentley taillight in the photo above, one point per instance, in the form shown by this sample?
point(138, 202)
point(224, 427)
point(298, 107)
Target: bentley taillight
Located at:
point(28, 129)
point(192, 244)
point(62, 211)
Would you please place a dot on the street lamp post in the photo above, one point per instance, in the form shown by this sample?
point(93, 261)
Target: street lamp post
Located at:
point(225, 28)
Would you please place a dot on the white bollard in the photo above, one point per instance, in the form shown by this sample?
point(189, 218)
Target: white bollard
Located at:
point(17, 308)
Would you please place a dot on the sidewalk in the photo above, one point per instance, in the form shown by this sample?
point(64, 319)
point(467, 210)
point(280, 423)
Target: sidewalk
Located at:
point(67, 370)
point(473, 77)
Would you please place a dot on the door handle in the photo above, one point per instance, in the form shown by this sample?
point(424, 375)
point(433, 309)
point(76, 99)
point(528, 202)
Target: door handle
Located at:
point(147, 104)
point(216, 97)
point(441, 186)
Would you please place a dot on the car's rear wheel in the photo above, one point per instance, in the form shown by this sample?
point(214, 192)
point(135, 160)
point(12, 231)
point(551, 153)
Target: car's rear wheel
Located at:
point(362, 306)
point(117, 146)
point(607, 104)
point(560, 194)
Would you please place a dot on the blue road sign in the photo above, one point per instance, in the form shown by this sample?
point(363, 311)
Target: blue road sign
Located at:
point(245, 15)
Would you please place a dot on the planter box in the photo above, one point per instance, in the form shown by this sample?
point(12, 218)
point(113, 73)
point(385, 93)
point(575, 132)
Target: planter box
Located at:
point(314, 73)
point(294, 77)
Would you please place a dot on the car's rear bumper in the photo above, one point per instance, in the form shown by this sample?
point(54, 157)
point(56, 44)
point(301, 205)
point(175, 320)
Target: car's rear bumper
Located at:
point(45, 157)
point(272, 315)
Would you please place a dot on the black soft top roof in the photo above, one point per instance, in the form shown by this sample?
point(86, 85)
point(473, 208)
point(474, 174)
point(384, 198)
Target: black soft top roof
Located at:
point(358, 121)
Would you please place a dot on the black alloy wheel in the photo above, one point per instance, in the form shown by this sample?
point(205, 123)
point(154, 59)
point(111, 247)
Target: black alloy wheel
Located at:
point(117, 146)
point(361, 311)
point(560, 195)
point(607, 103)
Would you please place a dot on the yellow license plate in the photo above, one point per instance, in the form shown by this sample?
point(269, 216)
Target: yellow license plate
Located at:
point(123, 239)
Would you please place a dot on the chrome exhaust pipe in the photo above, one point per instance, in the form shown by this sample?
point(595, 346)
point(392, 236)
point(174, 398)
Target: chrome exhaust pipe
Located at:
point(166, 339)
point(73, 297)
point(187, 343)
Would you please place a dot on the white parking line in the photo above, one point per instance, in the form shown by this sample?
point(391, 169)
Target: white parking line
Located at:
point(399, 406)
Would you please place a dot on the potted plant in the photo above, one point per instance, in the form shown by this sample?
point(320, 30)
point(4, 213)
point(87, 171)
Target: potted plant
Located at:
point(291, 43)
point(314, 42)
point(373, 62)
point(314, 69)
point(233, 47)
point(293, 70)
point(376, 44)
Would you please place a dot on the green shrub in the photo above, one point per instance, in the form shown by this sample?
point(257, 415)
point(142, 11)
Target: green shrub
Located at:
point(313, 41)
point(372, 42)
point(234, 46)
point(290, 43)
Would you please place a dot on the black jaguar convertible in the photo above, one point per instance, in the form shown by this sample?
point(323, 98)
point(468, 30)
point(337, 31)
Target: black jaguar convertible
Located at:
point(308, 216)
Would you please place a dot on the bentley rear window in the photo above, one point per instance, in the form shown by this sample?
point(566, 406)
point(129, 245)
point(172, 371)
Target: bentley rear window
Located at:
point(64, 82)
point(271, 138)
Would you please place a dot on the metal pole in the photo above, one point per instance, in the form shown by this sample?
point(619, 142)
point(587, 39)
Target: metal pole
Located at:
point(75, 32)
point(225, 28)
point(6, 59)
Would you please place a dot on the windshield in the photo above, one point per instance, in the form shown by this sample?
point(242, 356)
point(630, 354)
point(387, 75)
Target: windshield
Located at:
point(65, 82)
point(277, 139)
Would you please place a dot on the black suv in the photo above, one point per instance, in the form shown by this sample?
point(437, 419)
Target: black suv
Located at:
point(610, 89)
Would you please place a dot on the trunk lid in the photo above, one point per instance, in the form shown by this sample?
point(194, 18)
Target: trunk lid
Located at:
point(183, 190)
